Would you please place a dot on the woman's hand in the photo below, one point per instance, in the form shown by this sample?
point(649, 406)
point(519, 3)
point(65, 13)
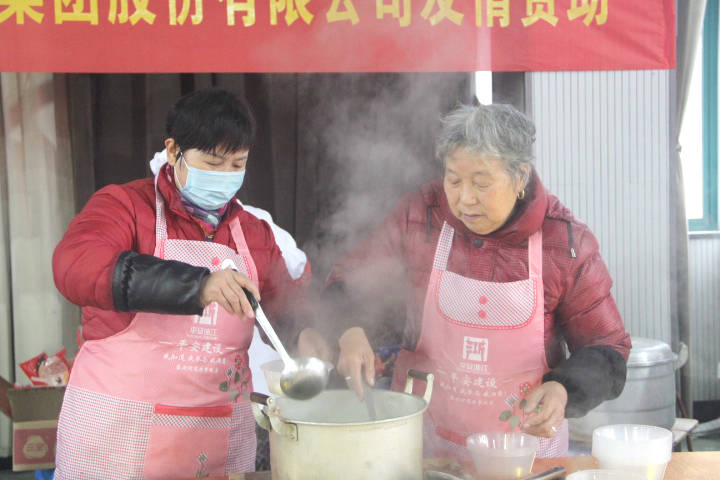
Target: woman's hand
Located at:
point(225, 288)
point(312, 344)
point(546, 409)
point(356, 355)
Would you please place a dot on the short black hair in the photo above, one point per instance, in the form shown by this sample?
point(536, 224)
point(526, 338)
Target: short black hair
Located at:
point(211, 119)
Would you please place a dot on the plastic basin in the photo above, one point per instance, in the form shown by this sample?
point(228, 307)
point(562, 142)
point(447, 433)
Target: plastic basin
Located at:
point(273, 371)
point(502, 455)
point(643, 449)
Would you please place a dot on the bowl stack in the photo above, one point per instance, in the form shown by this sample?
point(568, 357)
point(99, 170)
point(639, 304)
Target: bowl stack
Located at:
point(604, 475)
point(642, 449)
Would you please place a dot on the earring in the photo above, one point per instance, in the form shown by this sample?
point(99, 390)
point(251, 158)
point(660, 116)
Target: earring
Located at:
point(521, 195)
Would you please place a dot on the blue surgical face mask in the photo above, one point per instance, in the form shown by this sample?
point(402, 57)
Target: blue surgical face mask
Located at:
point(208, 189)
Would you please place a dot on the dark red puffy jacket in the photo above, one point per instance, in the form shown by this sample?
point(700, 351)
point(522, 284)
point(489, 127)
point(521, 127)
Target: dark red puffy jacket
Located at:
point(578, 303)
point(118, 218)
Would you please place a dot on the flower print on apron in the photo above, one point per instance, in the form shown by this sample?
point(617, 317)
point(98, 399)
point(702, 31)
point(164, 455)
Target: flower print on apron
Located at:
point(485, 343)
point(167, 396)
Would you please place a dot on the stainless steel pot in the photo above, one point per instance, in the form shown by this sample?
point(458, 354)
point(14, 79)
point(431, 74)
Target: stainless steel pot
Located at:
point(648, 397)
point(331, 435)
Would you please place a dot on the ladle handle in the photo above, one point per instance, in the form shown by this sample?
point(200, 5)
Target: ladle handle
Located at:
point(267, 328)
point(553, 473)
point(251, 298)
point(261, 398)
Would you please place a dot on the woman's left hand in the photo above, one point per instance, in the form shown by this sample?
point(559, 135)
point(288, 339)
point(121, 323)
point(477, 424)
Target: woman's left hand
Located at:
point(546, 409)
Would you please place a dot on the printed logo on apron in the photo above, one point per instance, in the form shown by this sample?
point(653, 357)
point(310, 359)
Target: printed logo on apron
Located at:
point(475, 349)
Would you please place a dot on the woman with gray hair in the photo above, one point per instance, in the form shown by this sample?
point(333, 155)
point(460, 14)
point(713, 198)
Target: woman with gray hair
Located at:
point(501, 277)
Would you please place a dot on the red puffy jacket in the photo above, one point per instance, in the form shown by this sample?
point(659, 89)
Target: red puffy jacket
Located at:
point(578, 303)
point(119, 218)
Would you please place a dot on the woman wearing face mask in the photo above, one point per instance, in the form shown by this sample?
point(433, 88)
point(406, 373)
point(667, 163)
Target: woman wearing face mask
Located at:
point(160, 386)
point(501, 277)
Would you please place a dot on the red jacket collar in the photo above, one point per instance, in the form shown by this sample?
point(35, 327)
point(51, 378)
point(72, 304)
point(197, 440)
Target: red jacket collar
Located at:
point(526, 218)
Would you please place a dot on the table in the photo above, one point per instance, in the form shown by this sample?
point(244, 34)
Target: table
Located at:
point(683, 466)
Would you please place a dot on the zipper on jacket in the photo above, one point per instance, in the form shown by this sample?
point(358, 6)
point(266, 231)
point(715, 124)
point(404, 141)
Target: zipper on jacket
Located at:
point(570, 238)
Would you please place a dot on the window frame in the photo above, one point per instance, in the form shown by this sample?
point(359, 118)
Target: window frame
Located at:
point(709, 221)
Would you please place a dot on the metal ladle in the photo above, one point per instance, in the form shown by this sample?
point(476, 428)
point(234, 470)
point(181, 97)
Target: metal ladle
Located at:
point(370, 401)
point(302, 378)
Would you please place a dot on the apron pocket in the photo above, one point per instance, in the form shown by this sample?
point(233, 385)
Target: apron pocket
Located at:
point(188, 442)
point(486, 305)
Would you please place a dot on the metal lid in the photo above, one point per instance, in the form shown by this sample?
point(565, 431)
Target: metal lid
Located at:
point(647, 352)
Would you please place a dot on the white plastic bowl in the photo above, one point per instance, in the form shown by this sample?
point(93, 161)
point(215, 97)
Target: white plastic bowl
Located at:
point(644, 449)
point(273, 371)
point(503, 455)
point(604, 475)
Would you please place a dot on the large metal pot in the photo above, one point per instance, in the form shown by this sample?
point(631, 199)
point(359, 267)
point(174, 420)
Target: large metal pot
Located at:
point(331, 435)
point(648, 397)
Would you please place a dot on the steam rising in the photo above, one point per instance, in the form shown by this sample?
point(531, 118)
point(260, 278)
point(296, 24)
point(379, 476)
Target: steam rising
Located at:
point(379, 142)
point(377, 133)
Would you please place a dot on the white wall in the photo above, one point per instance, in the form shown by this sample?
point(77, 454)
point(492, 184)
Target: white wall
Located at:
point(603, 149)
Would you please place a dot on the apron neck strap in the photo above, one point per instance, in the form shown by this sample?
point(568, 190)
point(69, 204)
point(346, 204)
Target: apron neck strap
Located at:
point(535, 254)
point(242, 248)
point(442, 251)
point(444, 245)
point(160, 223)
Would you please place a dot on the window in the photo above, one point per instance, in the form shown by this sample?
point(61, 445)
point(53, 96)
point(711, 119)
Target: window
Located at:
point(699, 134)
point(483, 87)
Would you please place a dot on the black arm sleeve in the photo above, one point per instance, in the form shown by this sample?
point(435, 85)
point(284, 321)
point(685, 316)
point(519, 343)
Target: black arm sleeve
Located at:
point(144, 283)
point(591, 375)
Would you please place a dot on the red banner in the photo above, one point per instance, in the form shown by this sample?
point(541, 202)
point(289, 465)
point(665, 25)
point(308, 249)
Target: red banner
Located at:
point(335, 35)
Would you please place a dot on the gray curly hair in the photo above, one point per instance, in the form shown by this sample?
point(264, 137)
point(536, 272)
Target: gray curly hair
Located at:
point(499, 130)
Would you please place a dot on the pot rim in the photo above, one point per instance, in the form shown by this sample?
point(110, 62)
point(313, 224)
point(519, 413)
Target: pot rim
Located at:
point(352, 424)
point(277, 412)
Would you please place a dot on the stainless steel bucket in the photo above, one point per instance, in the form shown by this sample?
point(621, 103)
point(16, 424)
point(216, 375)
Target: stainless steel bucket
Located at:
point(331, 435)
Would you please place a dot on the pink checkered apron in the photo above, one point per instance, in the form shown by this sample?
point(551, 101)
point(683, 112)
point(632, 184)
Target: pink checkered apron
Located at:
point(167, 396)
point(484, 341)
